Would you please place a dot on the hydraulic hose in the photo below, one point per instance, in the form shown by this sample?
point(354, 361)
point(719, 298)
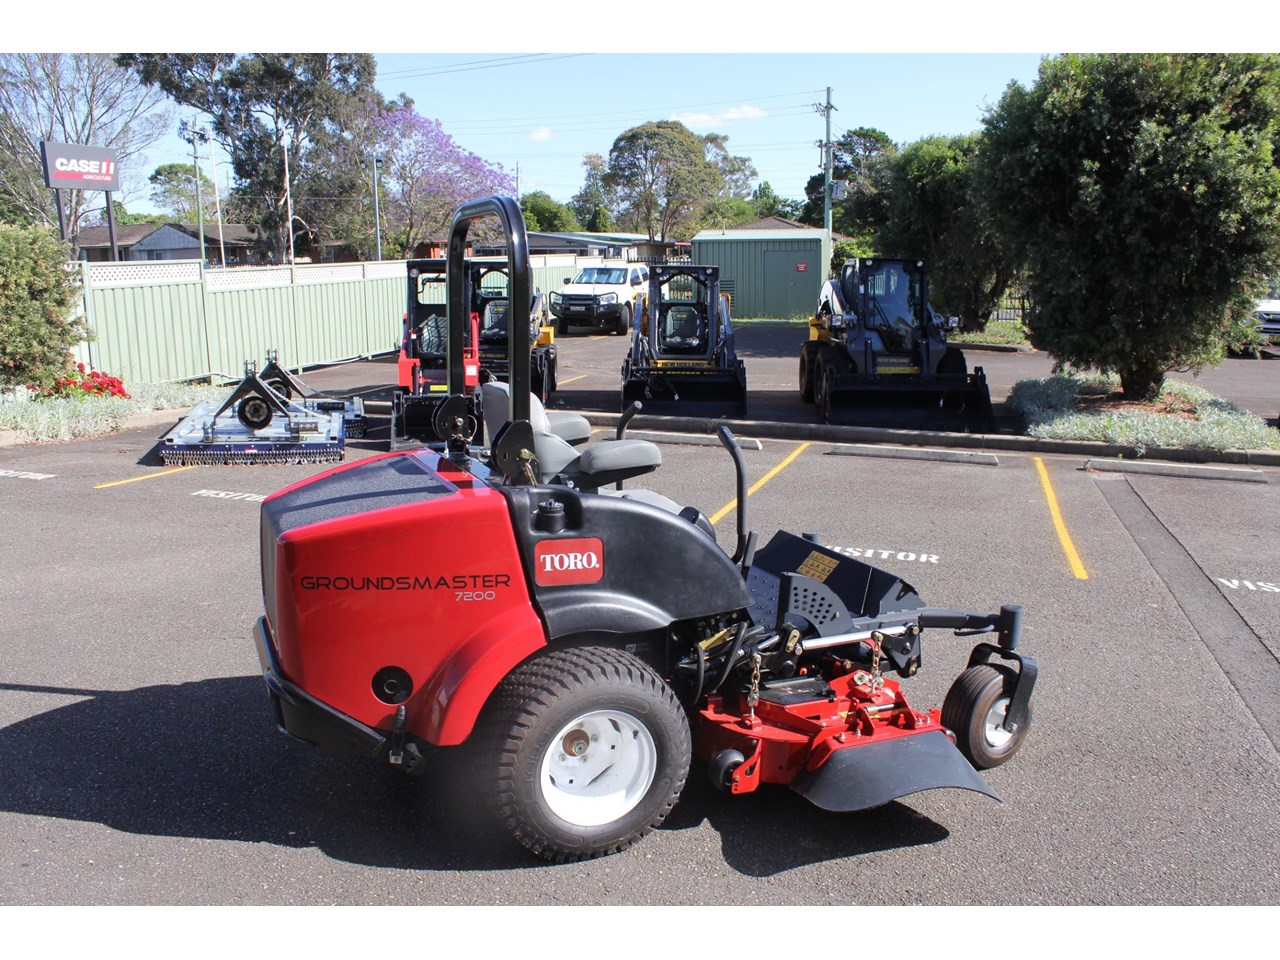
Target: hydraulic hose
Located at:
point(738, 637)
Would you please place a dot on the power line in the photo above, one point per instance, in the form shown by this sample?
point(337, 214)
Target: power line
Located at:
point(637, 111)
point(471, 65)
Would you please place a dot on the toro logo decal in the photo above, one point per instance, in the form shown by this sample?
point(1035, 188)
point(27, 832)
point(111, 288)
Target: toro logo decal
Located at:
point(558, 562)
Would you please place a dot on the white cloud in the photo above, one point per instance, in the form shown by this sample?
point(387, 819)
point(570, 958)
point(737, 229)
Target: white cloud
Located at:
point(744, 112)
point(541, 134)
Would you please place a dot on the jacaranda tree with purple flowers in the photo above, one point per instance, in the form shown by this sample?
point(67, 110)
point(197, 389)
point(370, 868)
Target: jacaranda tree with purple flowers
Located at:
point(426, 176)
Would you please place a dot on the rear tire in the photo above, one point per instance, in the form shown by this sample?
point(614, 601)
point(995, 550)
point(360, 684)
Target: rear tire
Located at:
point(587, 750)
point(974, 711)
point(807, 357)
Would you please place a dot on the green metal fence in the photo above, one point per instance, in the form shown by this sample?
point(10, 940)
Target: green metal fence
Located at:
point(166, 320)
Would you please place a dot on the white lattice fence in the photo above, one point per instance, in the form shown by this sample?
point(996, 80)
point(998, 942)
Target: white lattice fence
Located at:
point(127, 274)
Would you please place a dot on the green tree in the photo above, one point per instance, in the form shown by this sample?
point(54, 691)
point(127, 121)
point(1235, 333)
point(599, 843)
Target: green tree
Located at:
point(661, 178)
point(174, 191)
point(590, 205)
point(543, 213)
point(38, 325)
point(736, 172)
point(1141, 194)
point(124, 218)
point(767, 203)
point(855, 159)
point(271, 111)
point(928, 206)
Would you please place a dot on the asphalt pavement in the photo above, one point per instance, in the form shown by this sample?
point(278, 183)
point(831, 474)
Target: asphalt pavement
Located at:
point(140, 764)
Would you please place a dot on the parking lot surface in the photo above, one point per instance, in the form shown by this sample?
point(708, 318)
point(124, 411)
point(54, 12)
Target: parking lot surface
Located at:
point(141, 764)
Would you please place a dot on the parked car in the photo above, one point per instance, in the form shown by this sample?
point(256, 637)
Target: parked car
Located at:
point(599, 297)
point(1267, 314)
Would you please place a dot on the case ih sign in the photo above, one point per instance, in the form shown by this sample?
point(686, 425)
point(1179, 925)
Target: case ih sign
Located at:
point(72, 166)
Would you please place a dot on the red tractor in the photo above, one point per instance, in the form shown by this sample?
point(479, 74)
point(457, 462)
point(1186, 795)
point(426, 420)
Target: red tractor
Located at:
point(588, 643)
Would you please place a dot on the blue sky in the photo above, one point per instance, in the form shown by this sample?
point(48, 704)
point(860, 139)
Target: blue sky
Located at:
point(538, 114)
point(543, 113)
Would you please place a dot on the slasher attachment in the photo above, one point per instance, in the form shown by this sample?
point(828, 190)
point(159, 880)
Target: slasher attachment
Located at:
point(269, 417)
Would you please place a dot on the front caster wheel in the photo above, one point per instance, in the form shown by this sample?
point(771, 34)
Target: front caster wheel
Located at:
point(975, 710)
point(588, 752)
point(722, 767)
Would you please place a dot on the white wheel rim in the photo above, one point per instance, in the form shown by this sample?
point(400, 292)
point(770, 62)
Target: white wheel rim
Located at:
point(598, 768)
point(993, 725)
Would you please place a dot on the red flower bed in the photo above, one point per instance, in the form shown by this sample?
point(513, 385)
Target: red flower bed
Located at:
point(83, 383)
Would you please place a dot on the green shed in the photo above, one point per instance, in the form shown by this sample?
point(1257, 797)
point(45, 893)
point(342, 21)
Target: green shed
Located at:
point(774, 273)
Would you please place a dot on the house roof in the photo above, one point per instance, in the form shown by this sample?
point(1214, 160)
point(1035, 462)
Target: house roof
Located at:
point(773, 223)
point(787, 233)
point(235, 234)
point(126, 236)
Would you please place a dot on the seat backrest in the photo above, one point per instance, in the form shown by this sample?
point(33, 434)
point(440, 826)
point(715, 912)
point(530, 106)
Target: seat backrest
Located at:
point(553, 453)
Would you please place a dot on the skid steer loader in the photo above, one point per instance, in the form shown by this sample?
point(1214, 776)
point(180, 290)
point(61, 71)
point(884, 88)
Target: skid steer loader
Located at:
point(589, 642)
point(877, 354)
point(422, 371)
point(682, 359)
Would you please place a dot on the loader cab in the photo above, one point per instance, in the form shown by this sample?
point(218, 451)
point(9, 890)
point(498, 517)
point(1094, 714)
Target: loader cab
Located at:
point(683, 330)
point(426, 326)
point(890, 299)
point(681, 301)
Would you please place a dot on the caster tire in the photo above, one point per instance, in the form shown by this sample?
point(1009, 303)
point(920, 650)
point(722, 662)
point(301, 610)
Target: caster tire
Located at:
point(974, 710)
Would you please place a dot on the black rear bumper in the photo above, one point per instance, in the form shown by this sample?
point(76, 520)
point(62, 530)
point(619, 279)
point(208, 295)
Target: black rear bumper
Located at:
point(305, 718)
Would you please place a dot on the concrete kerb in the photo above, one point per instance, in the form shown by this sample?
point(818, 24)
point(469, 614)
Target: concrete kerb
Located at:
point(1200, 472)
point(696, 427)
point(831, 433)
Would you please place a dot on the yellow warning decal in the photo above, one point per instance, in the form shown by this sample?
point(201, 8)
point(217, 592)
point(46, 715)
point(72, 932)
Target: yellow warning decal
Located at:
point(818, 566)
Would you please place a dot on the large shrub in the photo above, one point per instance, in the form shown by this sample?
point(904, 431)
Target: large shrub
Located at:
point(38, 325)
point(1141, 195)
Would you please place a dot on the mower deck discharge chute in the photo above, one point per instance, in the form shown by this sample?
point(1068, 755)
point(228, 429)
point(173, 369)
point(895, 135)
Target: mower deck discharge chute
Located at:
point(682, 359)
point(877, 354)
point(590, 641)
point(269, 417)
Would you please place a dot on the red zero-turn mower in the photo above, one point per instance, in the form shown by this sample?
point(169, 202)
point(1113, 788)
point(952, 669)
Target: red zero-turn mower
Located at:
point(588, 642)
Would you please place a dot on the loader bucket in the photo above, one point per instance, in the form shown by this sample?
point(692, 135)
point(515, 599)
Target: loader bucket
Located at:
point(692, 392)
point(864, 775)
point(957, 404)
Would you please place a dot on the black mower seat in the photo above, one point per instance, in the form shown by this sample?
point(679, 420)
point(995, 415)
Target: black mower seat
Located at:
point(608, 461)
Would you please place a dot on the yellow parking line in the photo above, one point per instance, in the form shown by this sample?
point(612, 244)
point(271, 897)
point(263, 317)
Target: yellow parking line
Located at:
point(561, 383)
point(724, 511)
point(148, 476)
point(1064, 538)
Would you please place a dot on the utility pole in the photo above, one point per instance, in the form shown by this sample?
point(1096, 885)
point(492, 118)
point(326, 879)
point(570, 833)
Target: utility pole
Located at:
point(217, 199)
point(194, 134)
point(288, 200)
point(826, 109)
